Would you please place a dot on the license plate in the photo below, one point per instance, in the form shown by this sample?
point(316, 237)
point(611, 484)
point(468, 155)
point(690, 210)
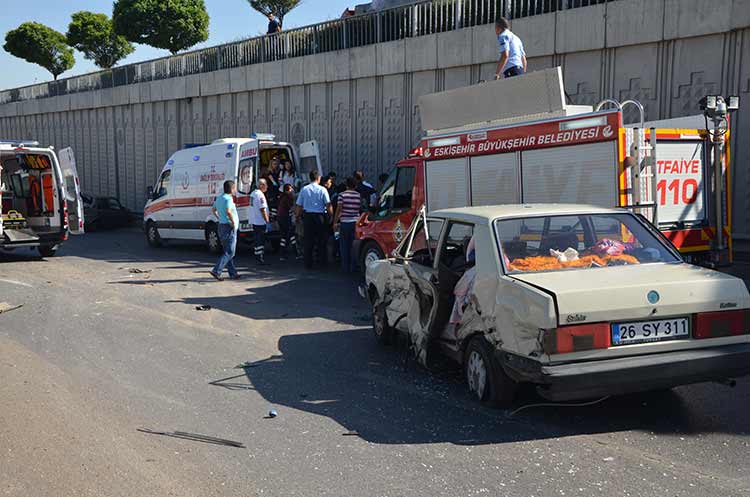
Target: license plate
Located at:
point(650, 331)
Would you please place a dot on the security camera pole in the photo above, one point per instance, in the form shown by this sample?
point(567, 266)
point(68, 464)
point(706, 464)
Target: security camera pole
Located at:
point(717, 109)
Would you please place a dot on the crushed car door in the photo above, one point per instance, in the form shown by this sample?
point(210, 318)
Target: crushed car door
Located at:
point(72, 189)
point(420, 269)
point(309, 154)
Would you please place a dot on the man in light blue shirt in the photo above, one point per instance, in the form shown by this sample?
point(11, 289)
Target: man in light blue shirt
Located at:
point(512, 55)
point(313, 204)
point(229, 222)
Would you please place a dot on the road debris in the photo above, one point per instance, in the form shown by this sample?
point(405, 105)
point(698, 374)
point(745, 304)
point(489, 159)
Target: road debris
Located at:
point(135, 270)
point(194, 437)
point(272, 414)
point(204, 307)
point(245, 365)
point(6, 307)
point(253, 301)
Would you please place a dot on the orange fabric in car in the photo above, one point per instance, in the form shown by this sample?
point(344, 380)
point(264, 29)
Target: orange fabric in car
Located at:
point(48, 186)
point(547, 263)
point(34, 202)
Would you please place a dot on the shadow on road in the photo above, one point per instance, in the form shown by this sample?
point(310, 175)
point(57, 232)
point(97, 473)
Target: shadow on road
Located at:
point(346, 377)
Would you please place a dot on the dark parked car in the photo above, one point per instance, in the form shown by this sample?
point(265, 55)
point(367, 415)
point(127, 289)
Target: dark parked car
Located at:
point(104, 213)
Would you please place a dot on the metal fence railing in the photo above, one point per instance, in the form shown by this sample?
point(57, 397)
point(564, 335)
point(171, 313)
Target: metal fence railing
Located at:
point(417, 19)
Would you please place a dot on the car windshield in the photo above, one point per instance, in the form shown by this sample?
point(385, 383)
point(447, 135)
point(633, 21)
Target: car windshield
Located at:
point(581, 241)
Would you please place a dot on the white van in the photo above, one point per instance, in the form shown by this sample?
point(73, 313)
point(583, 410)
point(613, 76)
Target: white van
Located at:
point(179, 205)
point(40, 197)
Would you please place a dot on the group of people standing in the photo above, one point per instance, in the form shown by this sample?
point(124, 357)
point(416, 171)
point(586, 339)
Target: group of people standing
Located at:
point(322, 208)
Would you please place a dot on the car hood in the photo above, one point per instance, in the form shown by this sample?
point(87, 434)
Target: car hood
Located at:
point(621, 292)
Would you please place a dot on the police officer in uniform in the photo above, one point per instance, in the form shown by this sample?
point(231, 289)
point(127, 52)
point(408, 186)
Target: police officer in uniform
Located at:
point(314, 208)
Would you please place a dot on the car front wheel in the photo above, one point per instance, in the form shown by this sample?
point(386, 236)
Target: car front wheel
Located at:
point(383, 332)
point(487, 381)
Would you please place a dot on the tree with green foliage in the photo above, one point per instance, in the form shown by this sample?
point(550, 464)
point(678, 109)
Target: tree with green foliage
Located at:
point(279, 8)
point(173, 25)
point(94, 35)
point(41, 45)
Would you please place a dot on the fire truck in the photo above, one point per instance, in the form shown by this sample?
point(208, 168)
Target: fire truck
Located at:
point(517, 141)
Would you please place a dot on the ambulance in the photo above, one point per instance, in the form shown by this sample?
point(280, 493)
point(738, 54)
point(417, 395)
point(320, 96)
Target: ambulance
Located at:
point(180, 205)
point(517, 141)
point(40, 197)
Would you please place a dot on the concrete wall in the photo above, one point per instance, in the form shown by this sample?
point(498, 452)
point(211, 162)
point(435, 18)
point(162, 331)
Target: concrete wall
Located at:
point(360, 104)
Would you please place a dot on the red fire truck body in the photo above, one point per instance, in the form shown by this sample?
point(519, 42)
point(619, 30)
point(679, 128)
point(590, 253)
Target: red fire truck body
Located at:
point(588, 158)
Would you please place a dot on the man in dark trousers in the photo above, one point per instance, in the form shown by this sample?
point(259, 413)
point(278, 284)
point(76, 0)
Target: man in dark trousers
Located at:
point(259, 218)
point(313, 205)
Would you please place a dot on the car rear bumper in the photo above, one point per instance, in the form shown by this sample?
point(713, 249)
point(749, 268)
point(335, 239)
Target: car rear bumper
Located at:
point(643, 373)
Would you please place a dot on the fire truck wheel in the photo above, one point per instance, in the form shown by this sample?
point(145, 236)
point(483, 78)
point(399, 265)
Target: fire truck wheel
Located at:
point(47, 251)
point(152, 235)
point(212, 238)
point(485, 377)
point(370, 252)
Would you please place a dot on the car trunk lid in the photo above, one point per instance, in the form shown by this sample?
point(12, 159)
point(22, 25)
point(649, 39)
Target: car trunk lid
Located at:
point(621, 293)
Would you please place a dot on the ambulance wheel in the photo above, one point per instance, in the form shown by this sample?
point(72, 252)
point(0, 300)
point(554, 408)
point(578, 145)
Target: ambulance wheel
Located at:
point(47, 250)
point(152, 235)
point(212, 238)
point(370, 252)
point(487, 381)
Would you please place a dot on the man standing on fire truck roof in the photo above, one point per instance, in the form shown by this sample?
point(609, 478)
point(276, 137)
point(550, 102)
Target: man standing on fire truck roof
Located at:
point(512, 55)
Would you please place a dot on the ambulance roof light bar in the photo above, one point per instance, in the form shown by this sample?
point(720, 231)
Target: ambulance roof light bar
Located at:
point(20, 143)
point(263, 136)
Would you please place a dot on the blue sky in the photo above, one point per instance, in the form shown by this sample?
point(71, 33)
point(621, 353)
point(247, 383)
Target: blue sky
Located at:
point(230, 20)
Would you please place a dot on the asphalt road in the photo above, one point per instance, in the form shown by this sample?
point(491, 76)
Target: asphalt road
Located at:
point(97, 352)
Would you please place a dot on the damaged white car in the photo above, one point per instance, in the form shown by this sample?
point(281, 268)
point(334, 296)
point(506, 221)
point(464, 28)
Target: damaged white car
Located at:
point(580, 301)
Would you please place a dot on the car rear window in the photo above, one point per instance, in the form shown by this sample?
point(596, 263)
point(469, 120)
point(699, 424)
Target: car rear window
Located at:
point(575, 242)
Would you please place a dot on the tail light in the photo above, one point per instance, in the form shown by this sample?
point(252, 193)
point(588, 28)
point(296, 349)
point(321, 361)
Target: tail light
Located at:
point(566, 339)
point(721, 324)
point(66, 224)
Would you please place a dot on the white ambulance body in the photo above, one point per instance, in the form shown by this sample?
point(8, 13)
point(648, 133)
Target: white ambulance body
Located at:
point(40, 197)
point(179, 206)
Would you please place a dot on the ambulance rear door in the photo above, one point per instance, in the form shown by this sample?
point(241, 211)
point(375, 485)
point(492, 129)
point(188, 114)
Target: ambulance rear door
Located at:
point(72, 189)
point(309, 154)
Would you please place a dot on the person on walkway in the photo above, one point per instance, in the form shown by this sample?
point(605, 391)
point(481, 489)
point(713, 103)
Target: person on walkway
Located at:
point(229, 222)
point(274, 26)
point(286, 227)
point(260, 219)
point(512, 55)
point(347, 214)
point(313, 204)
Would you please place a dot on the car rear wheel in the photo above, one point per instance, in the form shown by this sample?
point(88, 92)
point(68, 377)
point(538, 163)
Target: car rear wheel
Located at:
point(487, 381)
point(370, 252)
point(47, 251)
point(383, 332)
point(152, 235)
point(212, 239)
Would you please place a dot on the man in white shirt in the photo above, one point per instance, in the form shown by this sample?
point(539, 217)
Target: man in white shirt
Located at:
point(512, 54)
point(259, 218)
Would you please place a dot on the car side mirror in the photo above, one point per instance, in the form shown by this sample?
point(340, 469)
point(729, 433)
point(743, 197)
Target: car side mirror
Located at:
point(150, 192)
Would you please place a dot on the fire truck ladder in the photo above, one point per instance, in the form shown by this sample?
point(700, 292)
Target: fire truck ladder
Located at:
point(640, 164)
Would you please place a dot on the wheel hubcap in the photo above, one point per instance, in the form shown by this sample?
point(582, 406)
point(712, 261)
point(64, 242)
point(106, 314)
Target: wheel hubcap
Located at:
point(213, 240)
point(476, 373)
point(371, 257)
